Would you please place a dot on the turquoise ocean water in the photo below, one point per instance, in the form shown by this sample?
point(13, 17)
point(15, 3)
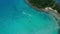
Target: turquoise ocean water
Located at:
point(16, 17)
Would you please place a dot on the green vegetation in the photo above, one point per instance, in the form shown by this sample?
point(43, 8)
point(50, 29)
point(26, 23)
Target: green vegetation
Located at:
point(45, 3)
point(57, 7)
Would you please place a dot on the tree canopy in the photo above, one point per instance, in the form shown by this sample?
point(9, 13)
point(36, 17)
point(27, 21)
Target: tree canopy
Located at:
point(45, 3)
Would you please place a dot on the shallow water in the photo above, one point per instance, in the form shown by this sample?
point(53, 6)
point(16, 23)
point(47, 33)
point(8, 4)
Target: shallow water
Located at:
point(16, 17)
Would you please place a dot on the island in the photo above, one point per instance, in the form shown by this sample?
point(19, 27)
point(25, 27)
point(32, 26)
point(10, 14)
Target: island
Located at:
point(41, 4)
point(46, 5)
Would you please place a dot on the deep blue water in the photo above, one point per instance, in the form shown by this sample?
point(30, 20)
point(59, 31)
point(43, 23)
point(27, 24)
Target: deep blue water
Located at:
point(58, 1)
point(16, 17)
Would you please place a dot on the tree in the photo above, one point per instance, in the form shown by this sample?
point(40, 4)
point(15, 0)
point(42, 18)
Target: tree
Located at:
point(45, 3)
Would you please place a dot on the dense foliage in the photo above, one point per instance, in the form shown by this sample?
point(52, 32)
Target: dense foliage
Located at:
point(45, 3)
point(57, 7)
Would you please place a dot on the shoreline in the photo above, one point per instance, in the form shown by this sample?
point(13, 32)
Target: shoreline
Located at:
point(55, 13)
point(41, 9)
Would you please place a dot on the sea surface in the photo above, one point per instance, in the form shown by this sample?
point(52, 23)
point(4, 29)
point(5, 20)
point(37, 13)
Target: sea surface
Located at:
point(17, 17)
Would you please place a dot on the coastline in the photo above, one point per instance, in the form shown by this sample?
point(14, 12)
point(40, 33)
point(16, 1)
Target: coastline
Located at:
point(41, 9)
point(56, 15)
